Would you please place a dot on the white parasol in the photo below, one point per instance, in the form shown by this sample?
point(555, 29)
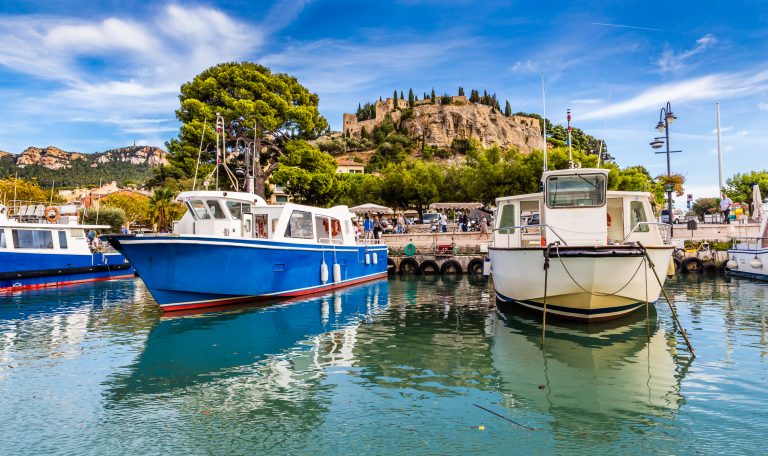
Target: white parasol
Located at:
point(757, 203)
point(370, 207)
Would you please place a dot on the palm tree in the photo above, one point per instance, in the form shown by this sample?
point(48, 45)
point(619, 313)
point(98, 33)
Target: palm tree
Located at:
point(162, 208)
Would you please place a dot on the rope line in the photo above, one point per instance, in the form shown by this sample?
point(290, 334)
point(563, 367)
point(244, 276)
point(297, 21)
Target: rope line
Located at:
point(557, 248)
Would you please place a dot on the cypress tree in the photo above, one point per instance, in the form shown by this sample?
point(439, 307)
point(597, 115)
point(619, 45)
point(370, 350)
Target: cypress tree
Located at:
point(394, 97)
point(401, 95)
point(507, 109)
point(411, 99)
point(433, 96)
point(461, 91)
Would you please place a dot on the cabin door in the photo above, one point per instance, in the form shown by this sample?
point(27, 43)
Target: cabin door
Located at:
point(247, 225)
point(615, 219)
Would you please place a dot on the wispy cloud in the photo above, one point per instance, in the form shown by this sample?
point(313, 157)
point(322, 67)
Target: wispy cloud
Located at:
point(762, 106)
point(633, 27)
point(718, 86)
point(670, 62)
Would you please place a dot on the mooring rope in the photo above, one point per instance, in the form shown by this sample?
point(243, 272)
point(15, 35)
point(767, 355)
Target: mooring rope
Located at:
point(557, 247)
point(546, 277)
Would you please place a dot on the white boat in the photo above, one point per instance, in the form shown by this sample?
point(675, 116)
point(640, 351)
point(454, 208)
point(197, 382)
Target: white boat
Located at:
point(749, 255)
point(595, 242)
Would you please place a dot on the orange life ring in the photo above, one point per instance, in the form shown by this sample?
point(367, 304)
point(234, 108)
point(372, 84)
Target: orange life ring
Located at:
point(608, 217)
point(335, 227)
point(51, 213)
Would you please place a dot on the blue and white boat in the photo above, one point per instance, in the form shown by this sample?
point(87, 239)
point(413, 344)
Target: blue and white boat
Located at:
point(40, 249)
point(233, 247)
point(749, 255)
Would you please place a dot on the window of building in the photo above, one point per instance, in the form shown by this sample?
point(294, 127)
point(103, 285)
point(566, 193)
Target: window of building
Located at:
point(32, 239)
point(300, 225)
point(62, 239)
point(637, 215)
point(581, 190)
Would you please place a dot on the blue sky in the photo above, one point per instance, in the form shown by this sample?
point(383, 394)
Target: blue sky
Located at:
point(89, 76)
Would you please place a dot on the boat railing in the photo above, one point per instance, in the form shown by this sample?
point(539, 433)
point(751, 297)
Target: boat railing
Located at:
point(666, 237)
point(325, 240)
point(750, 243)
point(510, 232)
point(367, 241)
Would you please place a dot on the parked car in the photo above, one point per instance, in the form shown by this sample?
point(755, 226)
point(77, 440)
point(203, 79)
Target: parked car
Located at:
point(678, 216)
point(430, 218)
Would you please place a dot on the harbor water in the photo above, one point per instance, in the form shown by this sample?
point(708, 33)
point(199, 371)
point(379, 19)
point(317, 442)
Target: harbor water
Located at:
point(397, 366)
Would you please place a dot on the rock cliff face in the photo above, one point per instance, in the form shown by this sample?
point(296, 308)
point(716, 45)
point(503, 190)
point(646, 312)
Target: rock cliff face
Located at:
point(49, 157)
point(55, 158)
point(441, 124)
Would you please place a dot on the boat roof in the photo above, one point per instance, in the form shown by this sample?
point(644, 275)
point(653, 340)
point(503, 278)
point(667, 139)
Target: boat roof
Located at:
point(243, 197)
point(574, 172)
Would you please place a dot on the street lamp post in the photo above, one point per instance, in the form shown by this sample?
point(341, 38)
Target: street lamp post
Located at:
point(666, 117)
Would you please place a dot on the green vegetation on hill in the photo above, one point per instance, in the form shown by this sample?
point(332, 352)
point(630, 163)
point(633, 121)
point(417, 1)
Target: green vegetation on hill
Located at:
point(80, 173)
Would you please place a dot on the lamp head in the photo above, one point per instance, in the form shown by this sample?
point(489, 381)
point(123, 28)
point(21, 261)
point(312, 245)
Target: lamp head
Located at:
point(660, 126)
point(657, 143)
point(671, 118)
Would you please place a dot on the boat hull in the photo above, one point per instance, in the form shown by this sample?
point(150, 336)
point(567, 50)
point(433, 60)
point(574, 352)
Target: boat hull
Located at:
point(21, 270)
point(584, 283)
point(744, 267)
point(189, 272)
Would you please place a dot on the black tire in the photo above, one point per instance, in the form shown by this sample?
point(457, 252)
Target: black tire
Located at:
point(429, 267)
point(391, 267)
point(678, 264)
point(451, 267)
point(710, 267)
point(692, 264)
point(475, 266)
point(408, 266)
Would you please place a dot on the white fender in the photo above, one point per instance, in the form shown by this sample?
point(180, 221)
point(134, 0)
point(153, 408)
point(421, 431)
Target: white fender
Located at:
point(323, 272)
point(375, 258)
point(337, 304)
point(367, 259)
point(337, 272)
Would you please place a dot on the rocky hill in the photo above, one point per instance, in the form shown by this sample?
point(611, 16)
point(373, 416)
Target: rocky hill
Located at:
point(54, 158)
point(440, 123)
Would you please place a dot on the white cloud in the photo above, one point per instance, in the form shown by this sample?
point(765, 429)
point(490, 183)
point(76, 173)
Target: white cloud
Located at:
point(722, 130)
point(718, 86)
point(762, 106)
point(669, 62)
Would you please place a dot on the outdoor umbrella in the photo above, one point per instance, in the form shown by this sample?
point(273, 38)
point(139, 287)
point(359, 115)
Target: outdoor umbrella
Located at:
point(370, 207)
point(757, 203)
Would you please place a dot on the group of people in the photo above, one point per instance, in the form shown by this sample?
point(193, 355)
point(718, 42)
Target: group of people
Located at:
point(373, 225)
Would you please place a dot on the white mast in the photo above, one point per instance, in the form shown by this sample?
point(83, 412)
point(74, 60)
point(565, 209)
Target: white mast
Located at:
point(544, 123)
point(570, 156)
point(719, 152)
point(602, 139)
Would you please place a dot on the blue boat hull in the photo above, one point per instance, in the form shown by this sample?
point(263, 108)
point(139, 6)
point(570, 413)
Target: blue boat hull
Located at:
point(34, 270)
point(186, 272)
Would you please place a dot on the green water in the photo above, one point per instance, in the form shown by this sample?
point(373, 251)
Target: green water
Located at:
point(391, 367)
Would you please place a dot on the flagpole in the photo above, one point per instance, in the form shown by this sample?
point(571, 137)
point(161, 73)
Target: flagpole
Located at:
point(570, 156)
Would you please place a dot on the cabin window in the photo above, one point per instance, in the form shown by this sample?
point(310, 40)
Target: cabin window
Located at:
point(236, 209)
point(32, 239)
point(198, 209)
point(580, 190)
point(300, 225)
point(216, 210)
point(62, 239)
point(637, 215)
point(3, 244)
point(507, 219)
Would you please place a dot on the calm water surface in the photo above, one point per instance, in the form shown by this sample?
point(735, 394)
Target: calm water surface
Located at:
point(397, 366)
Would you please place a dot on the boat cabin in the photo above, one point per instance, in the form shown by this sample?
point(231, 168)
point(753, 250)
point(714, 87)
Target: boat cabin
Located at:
point(575, 208)
point(245, 215)
point(61, 235)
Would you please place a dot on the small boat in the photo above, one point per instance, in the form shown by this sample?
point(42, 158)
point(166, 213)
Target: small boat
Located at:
point(749, 255)
point(594, 242)
point(232, 247)
point(40, 248)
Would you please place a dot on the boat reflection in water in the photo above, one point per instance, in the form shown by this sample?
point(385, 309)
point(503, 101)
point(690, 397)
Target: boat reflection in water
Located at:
point(182, 351)
point(589, 379)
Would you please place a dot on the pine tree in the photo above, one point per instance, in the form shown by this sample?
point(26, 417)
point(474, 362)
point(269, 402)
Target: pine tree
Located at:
point(507, 109)
point(401, 95)
point(394, 97)
point(411, 99)
point(461, 91)
point(433, 96)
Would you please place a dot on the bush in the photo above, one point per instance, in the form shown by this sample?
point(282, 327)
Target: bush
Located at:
point(112, 216)
point(334, 146)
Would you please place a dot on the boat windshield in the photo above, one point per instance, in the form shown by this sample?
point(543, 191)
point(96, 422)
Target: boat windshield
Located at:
point(580, 190)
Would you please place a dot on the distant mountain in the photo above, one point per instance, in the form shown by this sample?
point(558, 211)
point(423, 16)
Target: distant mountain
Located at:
point(51, 164)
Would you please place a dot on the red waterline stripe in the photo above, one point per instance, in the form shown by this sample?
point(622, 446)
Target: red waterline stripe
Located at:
point(66, 282)
point(227, 301)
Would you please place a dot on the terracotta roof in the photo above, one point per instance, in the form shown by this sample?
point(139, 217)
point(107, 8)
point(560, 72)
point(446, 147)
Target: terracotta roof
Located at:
point(344, 162)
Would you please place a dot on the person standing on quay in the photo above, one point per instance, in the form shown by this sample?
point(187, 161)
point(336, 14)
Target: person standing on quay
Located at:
point(367, 227)
point(725, 208)
point(483, 227)
point(443, 222)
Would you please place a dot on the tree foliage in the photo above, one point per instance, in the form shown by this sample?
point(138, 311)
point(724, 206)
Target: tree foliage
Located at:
point(135, 206)
point(309, 175)
point(739, 187)
point(112, 216)
point(23, 191)
point(254, 103)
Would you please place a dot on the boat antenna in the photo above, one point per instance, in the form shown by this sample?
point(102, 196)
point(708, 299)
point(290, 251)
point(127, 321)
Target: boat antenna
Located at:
point(219, 135)
point(602, 135)
point(199, 152)
point(15, 201)
point(570, 155)
point(544, 120)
